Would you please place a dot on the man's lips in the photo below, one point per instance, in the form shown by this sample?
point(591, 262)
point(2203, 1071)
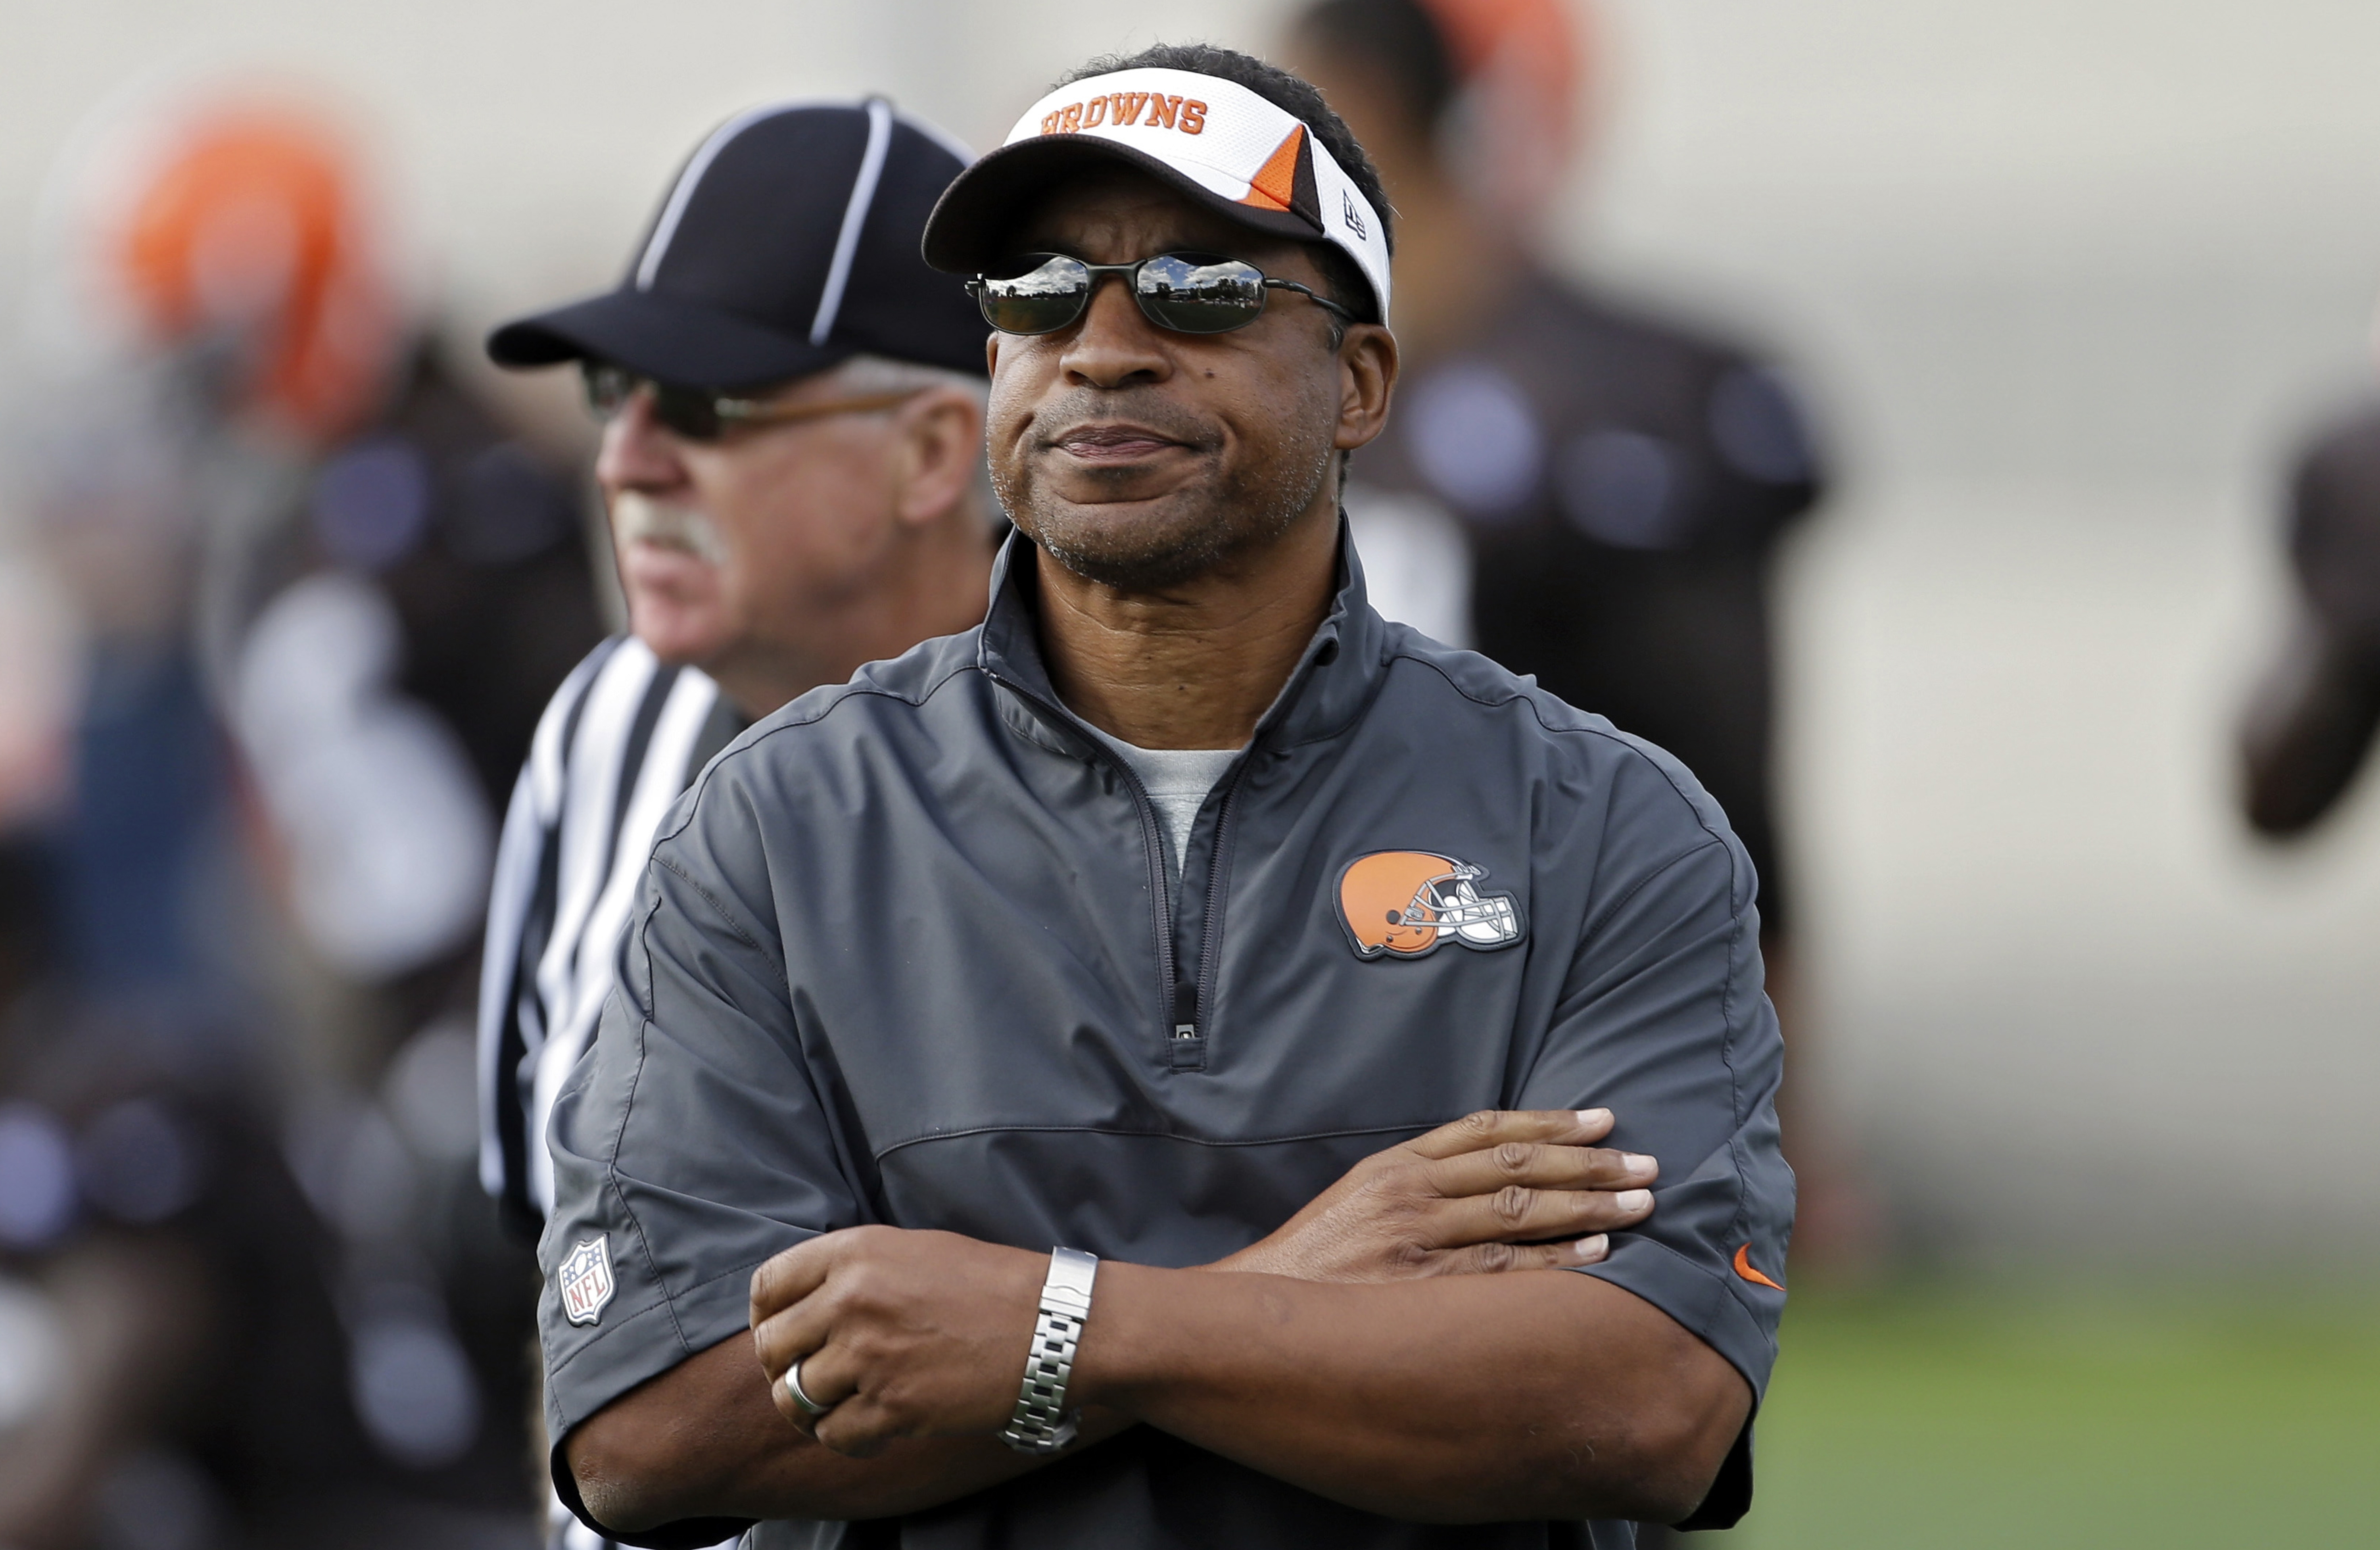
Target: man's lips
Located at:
point(1111, 444)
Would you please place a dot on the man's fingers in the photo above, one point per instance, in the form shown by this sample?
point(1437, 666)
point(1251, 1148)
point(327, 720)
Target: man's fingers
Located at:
point(782, 1338)
point(1488, 1128)
point(1539, 1166)
point(825, 1377)
point(1523, 1216)
point(1495, 1258)
point(787, 1278)
point(856, 1428)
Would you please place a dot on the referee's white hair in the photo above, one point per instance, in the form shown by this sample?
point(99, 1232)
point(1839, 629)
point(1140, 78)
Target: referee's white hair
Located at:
point(865, 374)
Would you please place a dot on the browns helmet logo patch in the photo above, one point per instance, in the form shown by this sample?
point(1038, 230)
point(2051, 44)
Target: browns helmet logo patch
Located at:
point(1405, 903)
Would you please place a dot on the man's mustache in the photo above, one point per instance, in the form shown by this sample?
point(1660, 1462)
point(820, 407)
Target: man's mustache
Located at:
point(639, 519)
point(1053, 422)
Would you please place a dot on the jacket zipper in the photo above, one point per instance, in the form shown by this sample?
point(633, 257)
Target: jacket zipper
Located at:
point(1186, 1040)
point(1181, 995)
point(1188, 1020)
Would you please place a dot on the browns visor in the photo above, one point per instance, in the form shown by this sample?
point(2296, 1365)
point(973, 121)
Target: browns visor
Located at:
point(1214, 140)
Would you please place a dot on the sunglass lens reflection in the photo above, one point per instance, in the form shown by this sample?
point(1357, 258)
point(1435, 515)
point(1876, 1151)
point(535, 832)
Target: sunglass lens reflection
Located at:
point(1047, 297)
point(1201, 293)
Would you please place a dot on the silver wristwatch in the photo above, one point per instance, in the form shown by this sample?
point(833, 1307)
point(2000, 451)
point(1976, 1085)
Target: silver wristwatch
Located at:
point(1040, 1424)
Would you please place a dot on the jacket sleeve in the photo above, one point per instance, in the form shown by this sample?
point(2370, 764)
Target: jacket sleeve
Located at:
point(1663, 1022)
point(689, 1144)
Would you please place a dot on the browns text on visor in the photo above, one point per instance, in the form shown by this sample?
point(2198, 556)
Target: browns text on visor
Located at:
point(1213, 138)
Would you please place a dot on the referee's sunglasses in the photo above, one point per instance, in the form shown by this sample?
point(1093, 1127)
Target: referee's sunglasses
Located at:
point(704, 414)
point(1188, 293)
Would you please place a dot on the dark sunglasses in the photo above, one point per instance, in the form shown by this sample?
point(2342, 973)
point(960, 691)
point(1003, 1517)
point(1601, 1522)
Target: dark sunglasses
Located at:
point(706, 414)
point(1189, 293)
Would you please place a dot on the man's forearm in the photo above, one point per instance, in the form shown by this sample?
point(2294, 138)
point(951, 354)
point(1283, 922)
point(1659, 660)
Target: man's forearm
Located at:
point(704, 1440)
point(1475, 1398)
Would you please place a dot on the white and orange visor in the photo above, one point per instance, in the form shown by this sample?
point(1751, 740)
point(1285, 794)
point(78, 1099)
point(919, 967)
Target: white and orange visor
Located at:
point(1213, 138)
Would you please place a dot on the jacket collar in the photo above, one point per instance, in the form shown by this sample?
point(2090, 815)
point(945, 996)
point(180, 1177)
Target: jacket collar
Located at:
point(1335, 676)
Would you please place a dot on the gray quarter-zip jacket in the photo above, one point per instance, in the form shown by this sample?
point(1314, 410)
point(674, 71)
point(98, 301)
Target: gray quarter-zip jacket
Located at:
point(913, 951)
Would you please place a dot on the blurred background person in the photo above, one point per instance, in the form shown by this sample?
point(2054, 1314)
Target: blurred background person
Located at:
point(322, 595)
point(793, 464)
point(2309, 727)
point(1574, 485)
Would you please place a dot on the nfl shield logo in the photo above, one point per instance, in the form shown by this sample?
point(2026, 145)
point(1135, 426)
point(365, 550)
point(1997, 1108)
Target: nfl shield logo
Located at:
point(586, 1280)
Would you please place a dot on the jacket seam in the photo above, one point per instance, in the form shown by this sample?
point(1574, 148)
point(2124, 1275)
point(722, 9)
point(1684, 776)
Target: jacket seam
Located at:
point(595, 1342)
point(1737, 1225)
point(663, 1302)
point(708, 898)
point(1723, 1294)
point(1154, 1135)
point(1600, 921)
point(849, 693)
point(1608, 734)
point(619, 1139)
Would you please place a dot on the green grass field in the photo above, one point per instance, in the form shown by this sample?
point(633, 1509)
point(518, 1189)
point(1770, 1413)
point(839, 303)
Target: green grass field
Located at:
point(1928, 1418)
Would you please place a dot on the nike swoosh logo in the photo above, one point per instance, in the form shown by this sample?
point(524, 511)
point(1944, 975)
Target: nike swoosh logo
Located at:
point(1744, 1268)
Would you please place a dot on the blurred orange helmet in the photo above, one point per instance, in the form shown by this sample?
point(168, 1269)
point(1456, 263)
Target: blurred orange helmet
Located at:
point(1523, 64)
point(247, 228)
point(1531, 46)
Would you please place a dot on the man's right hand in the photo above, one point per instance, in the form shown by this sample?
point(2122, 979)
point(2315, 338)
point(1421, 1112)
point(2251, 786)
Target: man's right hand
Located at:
point(1496, 1190)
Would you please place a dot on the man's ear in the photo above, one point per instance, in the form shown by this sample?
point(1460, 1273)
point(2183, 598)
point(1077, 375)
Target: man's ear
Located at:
point(1367, 377)
point(940, 445)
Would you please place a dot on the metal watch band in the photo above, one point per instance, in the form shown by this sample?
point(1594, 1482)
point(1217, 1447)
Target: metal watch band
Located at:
point(1040, 1424)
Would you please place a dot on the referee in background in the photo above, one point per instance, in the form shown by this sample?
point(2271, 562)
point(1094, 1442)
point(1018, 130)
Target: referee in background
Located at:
point(791, 465)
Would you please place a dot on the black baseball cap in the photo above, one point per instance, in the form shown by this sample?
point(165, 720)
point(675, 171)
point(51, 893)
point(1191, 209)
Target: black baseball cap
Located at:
point(787, 244)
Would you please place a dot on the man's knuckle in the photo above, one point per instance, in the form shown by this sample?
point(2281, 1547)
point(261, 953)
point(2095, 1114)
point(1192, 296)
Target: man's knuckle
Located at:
point(1493, 1258)
point(1479, 1123)
point(1513, 1205)
point(1513, 1158)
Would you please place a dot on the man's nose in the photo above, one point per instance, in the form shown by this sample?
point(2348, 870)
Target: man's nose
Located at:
point(1114, 345)
point(638, 452)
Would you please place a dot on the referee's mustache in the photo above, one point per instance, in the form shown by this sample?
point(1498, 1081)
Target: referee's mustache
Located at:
point(639, 518)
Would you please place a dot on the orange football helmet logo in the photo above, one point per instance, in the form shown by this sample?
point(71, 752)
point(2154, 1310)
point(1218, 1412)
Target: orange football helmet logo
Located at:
point(1405, 903)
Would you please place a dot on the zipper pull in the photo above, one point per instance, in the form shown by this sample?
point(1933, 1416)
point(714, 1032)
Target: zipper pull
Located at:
point(1188, 1046)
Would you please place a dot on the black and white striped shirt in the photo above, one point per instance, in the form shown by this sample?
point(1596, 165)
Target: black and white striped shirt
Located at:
point(621, 738)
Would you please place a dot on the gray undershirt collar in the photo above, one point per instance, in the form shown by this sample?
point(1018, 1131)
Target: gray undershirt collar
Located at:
point(1177, 780)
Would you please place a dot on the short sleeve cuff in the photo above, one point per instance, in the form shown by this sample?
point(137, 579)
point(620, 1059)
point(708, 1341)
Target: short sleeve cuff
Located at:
point(1703, 1303)
point(629, 1348)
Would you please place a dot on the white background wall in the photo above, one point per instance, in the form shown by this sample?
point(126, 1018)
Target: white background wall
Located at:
point(2067, 278)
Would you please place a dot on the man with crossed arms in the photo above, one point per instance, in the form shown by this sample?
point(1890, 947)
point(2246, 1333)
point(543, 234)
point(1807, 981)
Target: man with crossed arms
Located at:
point(1130, 922)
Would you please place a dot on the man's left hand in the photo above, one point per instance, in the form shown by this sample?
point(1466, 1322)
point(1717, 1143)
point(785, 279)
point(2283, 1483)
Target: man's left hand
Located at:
point(905, 1334)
